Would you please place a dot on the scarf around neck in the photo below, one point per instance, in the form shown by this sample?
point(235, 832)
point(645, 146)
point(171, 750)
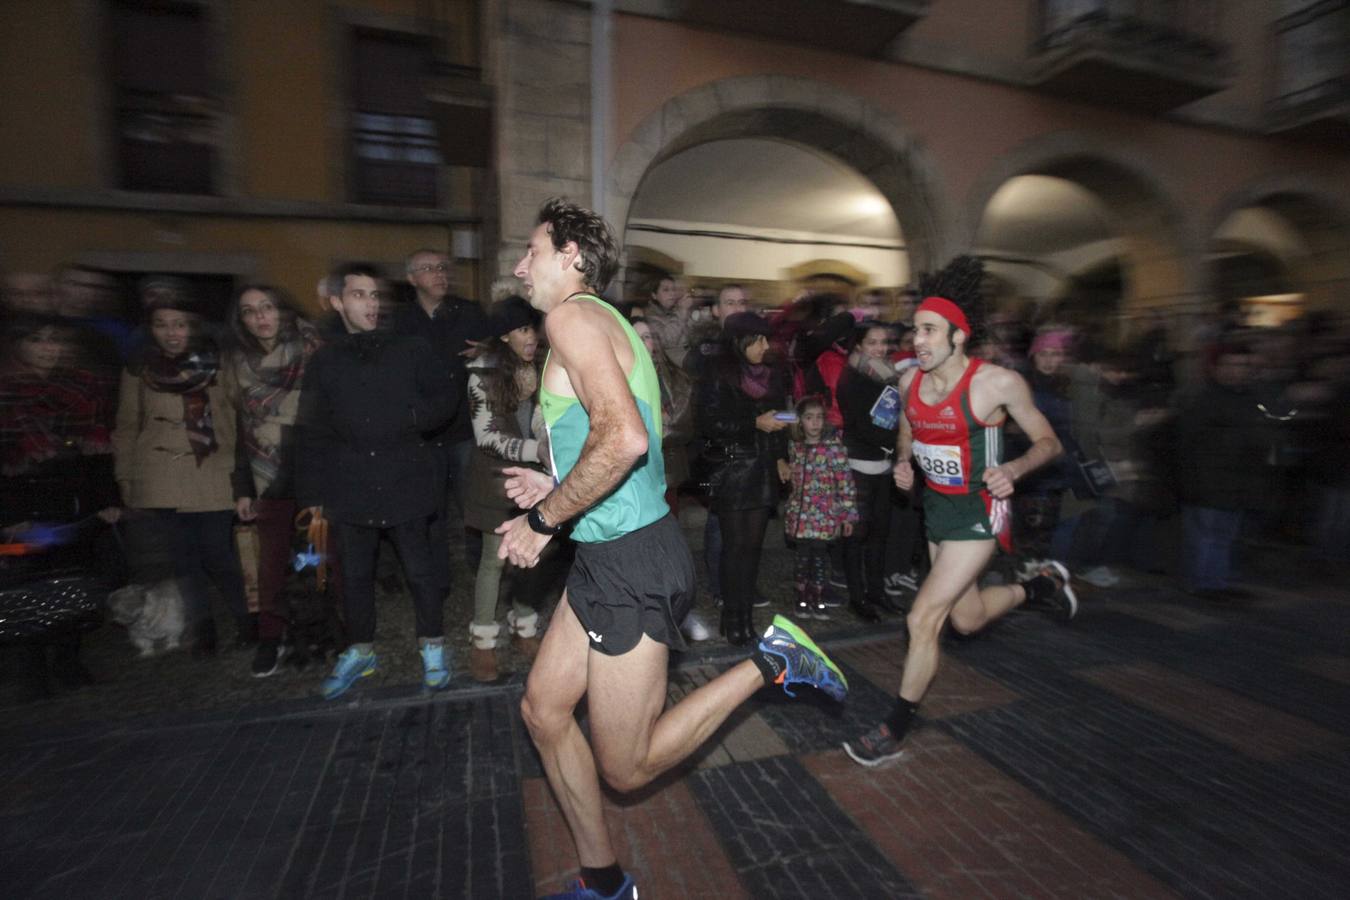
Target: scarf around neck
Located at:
point(755, 380)
point(267, 383)
point(189, 375)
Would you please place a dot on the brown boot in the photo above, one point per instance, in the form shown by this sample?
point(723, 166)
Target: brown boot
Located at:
point(483, 665)
point(527, 647)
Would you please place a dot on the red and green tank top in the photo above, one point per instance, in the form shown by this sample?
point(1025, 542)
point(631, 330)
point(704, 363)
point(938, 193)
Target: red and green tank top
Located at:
point(952, 445)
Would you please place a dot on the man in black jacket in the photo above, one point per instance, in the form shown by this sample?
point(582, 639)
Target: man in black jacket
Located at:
point(368, 399)
point(453, 327)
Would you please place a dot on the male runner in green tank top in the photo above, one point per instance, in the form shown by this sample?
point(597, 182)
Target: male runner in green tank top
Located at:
point(633, 579)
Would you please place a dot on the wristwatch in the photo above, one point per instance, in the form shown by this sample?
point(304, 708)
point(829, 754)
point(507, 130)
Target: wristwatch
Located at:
point(537, 523)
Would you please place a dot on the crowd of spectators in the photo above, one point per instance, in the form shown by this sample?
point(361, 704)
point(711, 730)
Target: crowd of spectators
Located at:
point(151, 438)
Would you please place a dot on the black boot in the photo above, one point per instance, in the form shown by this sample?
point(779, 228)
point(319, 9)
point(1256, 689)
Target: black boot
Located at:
point(735, 624)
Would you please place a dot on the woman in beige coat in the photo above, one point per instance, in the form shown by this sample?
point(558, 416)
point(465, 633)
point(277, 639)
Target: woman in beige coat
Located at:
point(174, 449)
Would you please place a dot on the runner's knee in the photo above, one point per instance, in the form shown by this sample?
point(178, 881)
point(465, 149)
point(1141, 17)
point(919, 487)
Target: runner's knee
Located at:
point(623, 775)
point(542, 719)
point(925, 621)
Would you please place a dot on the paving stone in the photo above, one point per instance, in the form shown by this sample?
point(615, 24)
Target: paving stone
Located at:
point(786, 837)
point(958, 827)
point(414, 800)
point(1248, 727)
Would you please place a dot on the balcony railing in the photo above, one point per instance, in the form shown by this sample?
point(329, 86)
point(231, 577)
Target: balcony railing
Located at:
point(1148, 54)
point(1311, 89)
point(856, 27)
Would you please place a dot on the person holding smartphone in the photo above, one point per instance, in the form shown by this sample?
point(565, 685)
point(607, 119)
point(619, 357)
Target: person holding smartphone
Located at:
point(745, 443)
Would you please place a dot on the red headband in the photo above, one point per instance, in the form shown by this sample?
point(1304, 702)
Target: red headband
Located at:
point(947, 309)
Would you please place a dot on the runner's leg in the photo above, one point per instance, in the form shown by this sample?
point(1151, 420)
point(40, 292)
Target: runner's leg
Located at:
point(956, 565)
point(556, 684)
point(634, 742)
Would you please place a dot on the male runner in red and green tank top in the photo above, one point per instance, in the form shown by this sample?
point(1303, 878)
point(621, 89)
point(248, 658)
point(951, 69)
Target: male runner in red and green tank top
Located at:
point(954, 411)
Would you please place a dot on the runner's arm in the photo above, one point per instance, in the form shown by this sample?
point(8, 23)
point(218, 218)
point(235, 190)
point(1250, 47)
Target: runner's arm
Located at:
point(903, 470)
point(1015, 394)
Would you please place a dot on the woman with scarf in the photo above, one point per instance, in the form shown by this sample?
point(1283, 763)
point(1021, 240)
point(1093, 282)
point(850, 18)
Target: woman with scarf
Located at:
point(268, 363)
point(174, 455)
point(56, 480)
point(508, 430)
point(738, 418)
point(870, 445)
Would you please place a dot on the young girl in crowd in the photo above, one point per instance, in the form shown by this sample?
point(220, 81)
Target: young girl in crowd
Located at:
point(821, 508)
point(268, 364)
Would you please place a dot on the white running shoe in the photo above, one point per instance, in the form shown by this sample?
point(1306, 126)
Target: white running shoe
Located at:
point(1100, 576)
point(695, 628)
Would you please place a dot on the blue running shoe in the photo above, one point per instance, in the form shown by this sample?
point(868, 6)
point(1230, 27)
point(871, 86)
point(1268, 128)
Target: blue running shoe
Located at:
point(577, 890)
point(435, 670)
point(351, 665)
point(803, 661)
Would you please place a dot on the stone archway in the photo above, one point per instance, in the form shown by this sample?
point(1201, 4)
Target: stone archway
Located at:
point(806, 112)
point(1323, 223)
point(1165, 257)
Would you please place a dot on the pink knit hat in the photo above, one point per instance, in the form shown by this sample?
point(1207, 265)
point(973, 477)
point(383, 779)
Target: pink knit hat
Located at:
point(1054, 339)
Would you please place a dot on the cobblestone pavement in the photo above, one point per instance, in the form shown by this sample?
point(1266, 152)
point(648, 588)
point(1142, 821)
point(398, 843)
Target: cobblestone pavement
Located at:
point(1157, 747)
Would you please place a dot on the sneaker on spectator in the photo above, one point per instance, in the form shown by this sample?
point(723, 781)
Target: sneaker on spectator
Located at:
point(897, 584)
point(267, 659)
point(1100, 576)
point(838, 580)
point(352, 664)
point(695, 628)
point(832, 599)
point(435, 668)
point(760, 601)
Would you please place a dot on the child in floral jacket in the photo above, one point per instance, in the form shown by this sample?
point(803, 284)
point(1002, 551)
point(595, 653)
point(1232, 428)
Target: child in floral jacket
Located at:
point(821, 507)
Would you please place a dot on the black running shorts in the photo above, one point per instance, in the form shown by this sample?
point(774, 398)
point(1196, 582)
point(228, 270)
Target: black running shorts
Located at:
point(641, 583)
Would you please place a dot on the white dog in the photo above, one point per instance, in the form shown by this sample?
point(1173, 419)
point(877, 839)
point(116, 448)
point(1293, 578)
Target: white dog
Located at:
point(151, 614)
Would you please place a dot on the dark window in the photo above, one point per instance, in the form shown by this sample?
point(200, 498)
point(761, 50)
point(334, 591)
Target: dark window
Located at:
point(395, 149)
point(1312, 55)
point(167, 114)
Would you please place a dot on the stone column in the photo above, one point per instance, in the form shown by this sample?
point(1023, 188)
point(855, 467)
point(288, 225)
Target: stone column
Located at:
point(542, 74)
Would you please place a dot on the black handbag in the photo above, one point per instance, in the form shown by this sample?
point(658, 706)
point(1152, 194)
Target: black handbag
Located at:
point(1095, 478)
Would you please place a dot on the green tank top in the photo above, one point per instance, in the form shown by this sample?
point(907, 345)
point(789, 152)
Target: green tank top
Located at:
point(639, 499)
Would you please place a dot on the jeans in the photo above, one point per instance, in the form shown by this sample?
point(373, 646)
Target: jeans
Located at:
point(358, 546)
point(1208, 536)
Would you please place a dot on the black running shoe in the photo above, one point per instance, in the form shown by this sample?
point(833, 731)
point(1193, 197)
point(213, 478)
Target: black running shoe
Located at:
point(268, 658)
point(876, 748)
point(1063, 603)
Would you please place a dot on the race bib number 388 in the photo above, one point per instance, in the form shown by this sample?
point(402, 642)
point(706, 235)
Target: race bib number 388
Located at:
point(941, 464)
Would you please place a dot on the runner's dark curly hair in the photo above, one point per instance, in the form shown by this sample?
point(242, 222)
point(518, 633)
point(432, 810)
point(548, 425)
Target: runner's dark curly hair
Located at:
point(960, 281)
point(566, 222)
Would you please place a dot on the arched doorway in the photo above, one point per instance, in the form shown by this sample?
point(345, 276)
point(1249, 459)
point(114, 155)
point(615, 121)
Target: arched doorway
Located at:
point(1276, 255)
point(1072, 233)
point(813, 117)
point(776, 216)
